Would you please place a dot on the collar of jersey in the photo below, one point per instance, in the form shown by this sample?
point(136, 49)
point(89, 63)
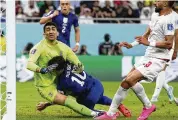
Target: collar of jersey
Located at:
point(50, 44)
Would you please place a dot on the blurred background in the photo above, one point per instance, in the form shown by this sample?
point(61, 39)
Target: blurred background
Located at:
point(103, 25)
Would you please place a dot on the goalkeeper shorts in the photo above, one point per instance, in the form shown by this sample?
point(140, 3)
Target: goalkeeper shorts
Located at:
point(48, 92)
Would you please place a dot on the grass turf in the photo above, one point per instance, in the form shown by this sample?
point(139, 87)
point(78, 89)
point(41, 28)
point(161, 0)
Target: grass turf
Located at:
point(28, 97)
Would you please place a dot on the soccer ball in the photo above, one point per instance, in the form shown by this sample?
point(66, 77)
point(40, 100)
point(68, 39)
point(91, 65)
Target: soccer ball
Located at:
point(4, 117)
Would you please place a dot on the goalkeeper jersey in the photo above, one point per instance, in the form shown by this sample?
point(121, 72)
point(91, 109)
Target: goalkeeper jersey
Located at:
point(41, 53)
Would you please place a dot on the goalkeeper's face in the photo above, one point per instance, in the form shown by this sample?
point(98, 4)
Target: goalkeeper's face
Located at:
point(51, 32)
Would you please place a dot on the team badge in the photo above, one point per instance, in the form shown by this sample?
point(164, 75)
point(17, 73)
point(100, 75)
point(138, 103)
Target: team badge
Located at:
point(65, 20)
point(170, 26)
point(50, 94)
point(33, 51)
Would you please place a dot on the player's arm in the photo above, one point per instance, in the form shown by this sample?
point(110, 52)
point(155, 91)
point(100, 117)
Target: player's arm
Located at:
point(166, 43)
point(77, 34)
point(135, 43)
point(49, 17)
point(176, 45)
point(169, 33)
point(33, 57)
point(147, 33)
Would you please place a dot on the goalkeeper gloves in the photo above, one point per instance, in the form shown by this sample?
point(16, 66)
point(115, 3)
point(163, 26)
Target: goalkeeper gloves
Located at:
point(48, 69)
point(78, 68)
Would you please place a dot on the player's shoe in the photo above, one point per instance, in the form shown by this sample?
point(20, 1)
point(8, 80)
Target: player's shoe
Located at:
point(176, 101)
point(126, 112)
point(146, 112)
point(170, 93)
point(154, 99)
point(107, 117)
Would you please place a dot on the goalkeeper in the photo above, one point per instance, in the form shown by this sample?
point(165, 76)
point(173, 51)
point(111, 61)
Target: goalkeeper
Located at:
point(44, 75)
point(87, 90)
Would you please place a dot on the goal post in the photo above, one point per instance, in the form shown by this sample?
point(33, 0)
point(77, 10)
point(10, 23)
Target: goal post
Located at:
point(11, 59)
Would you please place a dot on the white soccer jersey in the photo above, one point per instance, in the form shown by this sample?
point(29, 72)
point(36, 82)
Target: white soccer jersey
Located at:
point(160, 27)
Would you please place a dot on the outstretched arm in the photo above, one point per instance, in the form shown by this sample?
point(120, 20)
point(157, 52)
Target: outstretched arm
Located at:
point(49, 17)
point(135, 43)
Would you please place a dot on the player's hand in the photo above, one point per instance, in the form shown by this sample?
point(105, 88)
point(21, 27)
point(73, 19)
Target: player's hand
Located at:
point(78, 68)
point(125, 44)
point(142, 40)
point(75, 49)
point(41, 106)
point(48, 69)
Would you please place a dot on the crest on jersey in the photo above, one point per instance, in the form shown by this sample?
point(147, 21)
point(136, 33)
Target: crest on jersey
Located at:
point(170, 26)
point(65, 20)
point(177, 22)
point(33, 51)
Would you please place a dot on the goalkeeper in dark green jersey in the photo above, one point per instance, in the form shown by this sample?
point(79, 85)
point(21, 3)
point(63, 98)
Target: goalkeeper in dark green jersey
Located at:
point(45, 75)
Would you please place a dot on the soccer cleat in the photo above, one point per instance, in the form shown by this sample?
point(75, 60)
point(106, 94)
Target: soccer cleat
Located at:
point(170, 93)
point(124, 110)
point(107, 117)
point(176, 101)
point(146, 112)
point(154, 99)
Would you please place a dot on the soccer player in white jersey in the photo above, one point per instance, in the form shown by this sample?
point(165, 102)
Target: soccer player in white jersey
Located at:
point(170, 73)
point(159, 39)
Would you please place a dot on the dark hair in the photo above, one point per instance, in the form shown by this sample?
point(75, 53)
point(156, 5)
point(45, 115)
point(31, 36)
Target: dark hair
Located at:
point(107, 37)
point(171, 3)
point(28, 47)
point(49, 24)
point(58, 60)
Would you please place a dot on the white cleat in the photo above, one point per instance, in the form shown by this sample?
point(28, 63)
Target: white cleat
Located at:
point(170, 94)
point(154, 99)
point(176, 101)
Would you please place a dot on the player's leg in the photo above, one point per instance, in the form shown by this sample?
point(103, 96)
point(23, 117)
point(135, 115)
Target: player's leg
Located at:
point(104, 100)
point(146, 68)
point(159, 84)
point(50, 93)
point(93, 95)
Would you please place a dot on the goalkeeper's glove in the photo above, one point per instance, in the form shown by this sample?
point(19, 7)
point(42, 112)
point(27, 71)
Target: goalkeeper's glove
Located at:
point(78, 68)
point(48, 69)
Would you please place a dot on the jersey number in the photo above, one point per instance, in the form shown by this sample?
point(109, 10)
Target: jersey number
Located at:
point(81, 80)
point(148, 64)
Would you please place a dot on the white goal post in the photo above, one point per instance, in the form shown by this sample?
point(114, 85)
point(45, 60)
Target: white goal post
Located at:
point(11, 60)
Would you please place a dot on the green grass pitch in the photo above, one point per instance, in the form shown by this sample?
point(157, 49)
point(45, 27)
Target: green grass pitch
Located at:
point(27, 98)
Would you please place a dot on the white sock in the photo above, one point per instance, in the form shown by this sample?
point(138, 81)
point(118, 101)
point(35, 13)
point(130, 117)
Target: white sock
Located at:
point(116, 101)
point(159, 84)
point(166, 86)
point(140, 92)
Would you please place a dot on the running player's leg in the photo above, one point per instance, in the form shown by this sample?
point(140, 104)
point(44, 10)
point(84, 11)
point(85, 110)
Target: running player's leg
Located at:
point(147, 67)
point(170, 76)
point(104, 100)
point(159, 84)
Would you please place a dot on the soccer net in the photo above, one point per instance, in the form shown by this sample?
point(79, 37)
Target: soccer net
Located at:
point(3, 59)
point(7, 60)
